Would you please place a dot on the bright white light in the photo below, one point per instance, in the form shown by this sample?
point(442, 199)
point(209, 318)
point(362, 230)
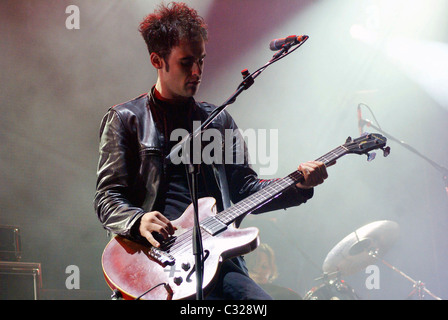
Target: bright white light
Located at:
point(424, 62)
point(401, 31)
point(363, 34)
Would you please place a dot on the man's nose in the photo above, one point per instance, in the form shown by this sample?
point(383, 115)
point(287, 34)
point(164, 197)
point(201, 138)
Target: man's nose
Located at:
point(197, 69)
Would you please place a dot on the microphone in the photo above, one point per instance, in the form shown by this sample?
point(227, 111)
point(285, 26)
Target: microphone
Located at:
point(360, 122)
point(278, 44)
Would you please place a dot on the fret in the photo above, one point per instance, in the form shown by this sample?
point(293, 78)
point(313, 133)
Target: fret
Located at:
point(333, 155)
point(359, 146)
point(257, 199)
point(273, 190)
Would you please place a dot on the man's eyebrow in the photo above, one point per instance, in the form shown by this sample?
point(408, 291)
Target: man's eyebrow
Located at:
point(192, 57)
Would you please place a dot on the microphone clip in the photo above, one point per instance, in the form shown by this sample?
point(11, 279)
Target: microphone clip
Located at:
point(283, 50)
point(289, 44)
point(248, 80)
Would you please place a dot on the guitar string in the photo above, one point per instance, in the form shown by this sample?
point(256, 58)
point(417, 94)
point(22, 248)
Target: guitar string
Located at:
point(279, 185)
point(173, 243)
point(178, 244)
point(184, 239)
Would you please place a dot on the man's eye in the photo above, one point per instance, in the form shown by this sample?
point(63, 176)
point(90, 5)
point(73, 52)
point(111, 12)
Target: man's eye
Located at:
point(187, 63)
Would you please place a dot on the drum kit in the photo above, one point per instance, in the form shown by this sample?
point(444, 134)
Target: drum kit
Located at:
point(361, 248)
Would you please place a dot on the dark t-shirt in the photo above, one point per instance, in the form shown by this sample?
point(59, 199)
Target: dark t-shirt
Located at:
point(176, 197)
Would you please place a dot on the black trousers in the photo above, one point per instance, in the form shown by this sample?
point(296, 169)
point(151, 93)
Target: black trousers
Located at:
point(234, 283)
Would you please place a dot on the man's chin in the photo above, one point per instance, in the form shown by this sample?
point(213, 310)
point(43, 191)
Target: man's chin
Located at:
point(194, 85)
point(191, 91)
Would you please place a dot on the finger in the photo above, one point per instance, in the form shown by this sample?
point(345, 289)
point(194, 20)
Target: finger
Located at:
point(319, 174)
point(305, 174)
point(152, 222)
point(316, 168)
point(159, 223)
point(306, 169)
point(323, 170)
point(314, 173)
point(166, 223)
point(148, 235)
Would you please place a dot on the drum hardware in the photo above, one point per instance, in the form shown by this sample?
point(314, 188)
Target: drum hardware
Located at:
point(418, 287)
point(352, 253)
point(325, 276)
point(331, 289)
point(362, 248)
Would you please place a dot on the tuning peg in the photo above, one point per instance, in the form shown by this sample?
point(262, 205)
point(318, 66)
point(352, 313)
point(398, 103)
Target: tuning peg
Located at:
point(386, 151)
point(371, 156)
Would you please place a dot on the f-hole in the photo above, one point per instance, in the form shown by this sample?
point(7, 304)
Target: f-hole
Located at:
point(188, 279)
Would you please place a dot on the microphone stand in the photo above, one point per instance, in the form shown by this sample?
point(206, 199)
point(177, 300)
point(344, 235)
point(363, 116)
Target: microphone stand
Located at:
point(198, 251)
point(192, 169)
point(441, 169)
point(419, 287)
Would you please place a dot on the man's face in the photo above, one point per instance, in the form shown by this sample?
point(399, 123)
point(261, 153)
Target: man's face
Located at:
point(181, 73)
point(262, 271)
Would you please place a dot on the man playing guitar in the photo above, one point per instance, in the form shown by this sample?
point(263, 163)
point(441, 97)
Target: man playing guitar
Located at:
point(139, 194)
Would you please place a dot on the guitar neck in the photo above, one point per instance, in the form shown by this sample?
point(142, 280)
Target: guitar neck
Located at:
point(273, 190)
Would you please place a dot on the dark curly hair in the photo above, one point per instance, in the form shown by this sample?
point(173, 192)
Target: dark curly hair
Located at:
point(163, 29)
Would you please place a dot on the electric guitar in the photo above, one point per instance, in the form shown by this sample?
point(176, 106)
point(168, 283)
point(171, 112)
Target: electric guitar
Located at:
point(141, 271)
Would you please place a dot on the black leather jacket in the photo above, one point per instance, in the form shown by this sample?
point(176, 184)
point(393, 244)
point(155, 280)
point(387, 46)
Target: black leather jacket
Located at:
point(132, 165)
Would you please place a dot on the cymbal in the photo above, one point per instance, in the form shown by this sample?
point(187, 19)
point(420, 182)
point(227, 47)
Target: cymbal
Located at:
point(354, 252)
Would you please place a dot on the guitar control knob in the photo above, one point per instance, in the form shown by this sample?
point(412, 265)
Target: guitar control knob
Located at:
point(185, 266)
point(178, 280)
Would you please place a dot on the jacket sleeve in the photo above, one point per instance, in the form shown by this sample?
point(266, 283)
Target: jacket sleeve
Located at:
point(113, 201)
point(244, 181)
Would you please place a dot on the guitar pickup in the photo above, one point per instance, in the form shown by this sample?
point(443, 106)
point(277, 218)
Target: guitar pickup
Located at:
point(213, 226)
point(161, 256)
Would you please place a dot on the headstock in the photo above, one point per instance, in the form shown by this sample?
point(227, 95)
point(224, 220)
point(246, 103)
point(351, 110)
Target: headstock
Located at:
point(367, 143)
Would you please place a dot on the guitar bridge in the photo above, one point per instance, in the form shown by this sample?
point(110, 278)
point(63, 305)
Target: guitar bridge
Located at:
point(161, 256)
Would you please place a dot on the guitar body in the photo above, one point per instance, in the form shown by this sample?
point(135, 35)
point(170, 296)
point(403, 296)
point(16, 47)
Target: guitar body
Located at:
point(131, 268)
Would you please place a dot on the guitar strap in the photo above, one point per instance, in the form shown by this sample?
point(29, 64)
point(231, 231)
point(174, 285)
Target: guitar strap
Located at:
point(223, 185)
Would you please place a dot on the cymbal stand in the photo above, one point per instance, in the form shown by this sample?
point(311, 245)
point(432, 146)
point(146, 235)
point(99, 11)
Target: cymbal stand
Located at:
point(418, 286)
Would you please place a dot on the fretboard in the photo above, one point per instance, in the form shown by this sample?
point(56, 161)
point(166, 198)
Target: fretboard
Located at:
point(273, 190)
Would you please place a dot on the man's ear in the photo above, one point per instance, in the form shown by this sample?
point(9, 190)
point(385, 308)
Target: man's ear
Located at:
point(156, 60)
